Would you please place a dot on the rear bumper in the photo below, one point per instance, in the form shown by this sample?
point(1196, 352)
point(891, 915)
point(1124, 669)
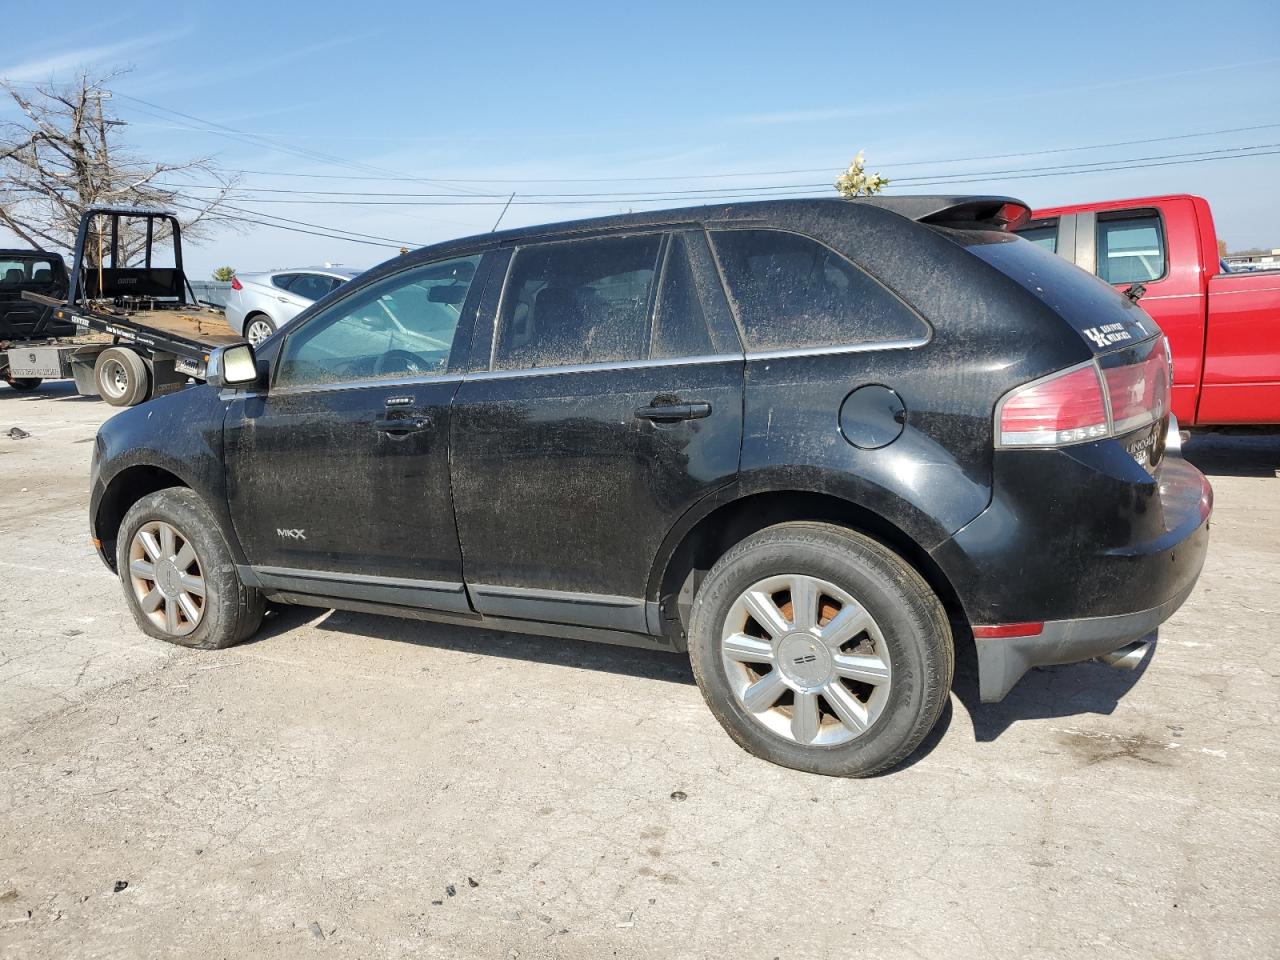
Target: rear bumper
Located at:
point(1084, 541)
point(1003, 661)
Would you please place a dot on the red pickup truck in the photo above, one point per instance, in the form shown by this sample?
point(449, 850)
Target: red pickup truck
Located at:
point(1223, 328)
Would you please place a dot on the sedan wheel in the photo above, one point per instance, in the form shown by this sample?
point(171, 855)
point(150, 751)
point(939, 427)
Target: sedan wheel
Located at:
point(805, 660)
point(258, 330)
point(166, 577)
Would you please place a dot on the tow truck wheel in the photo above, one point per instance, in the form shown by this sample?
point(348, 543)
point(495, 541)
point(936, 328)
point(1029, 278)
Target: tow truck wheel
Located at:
point(22, 384)
point(121, 376)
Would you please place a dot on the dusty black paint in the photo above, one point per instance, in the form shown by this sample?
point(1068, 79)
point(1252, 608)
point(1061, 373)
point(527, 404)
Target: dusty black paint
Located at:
point(546, 494)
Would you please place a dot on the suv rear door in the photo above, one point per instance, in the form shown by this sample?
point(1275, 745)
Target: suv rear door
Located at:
point(605, 400)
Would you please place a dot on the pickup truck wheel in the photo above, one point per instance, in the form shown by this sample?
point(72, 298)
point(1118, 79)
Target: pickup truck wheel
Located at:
point(819, 649)
point(179, 576)
point(121, 377)
point(22, 384)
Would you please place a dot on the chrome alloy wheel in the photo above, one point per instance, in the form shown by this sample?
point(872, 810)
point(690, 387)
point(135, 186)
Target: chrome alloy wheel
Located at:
point(166, 578)
point(806, 660)
point(257, 331)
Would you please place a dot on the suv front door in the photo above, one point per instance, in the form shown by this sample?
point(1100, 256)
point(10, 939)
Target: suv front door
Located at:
point(338, 476)
point(567, 471)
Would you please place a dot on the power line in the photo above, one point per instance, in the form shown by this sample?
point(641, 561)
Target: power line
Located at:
point(741, 193)
point(757, 173)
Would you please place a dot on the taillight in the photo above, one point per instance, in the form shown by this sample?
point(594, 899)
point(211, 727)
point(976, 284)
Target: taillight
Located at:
point(1106, 397)
point(235, 284)
point(1062, 408)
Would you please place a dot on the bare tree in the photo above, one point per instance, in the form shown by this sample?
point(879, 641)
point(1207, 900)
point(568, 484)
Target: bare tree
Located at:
point(64, 157)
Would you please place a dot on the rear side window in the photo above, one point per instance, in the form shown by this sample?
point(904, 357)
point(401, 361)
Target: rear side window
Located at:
point(282, 280)
point(1043, 233)
point(312, 286)
point(578, 301)
point(680, 324)
point(793, 292)
point(1131, 249)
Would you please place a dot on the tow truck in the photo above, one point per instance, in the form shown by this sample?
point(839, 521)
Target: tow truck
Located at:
point(139, 329)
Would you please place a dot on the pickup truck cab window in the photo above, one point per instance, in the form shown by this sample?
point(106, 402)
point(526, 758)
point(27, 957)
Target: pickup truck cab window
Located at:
point(580, 301)
point(1043, 233)
point(1130, 248)
point(791, 291)
point(403, 325)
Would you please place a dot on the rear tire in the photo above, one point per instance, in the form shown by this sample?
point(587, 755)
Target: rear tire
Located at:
point(849, 688)
point(121, 377)
point(179, 576)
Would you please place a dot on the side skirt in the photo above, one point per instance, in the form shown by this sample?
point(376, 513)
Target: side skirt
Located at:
point(538, 628)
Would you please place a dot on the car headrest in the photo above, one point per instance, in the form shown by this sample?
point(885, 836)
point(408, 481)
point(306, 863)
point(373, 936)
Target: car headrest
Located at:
point(13, 275)
point(43, 275)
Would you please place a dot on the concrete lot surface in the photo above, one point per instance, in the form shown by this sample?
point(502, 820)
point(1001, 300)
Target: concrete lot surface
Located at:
point(354, 786)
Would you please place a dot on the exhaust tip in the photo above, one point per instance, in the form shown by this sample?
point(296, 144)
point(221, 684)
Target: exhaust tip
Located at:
point(1127, 657)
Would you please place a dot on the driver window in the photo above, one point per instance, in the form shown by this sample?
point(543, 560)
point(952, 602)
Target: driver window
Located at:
point(401, 326)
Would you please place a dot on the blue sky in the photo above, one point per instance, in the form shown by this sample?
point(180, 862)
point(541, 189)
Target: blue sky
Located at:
point(476, 100)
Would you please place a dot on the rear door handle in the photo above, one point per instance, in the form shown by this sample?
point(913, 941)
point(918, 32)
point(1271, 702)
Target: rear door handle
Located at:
point(402, 425)
point(675, 411)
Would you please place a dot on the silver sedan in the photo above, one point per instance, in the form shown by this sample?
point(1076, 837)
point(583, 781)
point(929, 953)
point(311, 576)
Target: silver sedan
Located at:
point(261, 303)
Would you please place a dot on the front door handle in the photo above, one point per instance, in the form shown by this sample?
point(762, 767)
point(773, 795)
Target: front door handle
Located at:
point(402, 425)
point(675, 411)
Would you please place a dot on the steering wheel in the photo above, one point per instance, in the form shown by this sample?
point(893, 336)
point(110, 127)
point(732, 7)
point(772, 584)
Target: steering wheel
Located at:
point(401, 361)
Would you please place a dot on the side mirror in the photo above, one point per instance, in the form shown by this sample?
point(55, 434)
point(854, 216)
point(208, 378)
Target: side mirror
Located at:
point(233, 366)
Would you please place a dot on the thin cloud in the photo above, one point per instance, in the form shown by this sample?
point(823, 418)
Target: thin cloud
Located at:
point(48, 67)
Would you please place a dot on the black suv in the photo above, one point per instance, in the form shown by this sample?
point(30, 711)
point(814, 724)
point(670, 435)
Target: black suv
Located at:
point(815, 443)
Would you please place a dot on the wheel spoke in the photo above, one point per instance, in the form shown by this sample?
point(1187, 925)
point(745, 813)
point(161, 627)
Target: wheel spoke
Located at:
point(846, 706)
point(746, 649)
point(868, 669)
point(168, 542)
point(192, 584)
point(766, 612)
point(189, 607)
point(804, 718)
point(847, 624)
point(764, 693)
point(170, 615)
point(144, 569)
point(186, 556)
point(804, 603)
point(149, 544)
point(151, 602)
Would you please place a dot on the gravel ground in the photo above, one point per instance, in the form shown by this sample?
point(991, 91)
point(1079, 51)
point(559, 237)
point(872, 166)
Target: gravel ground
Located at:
point(357, 786)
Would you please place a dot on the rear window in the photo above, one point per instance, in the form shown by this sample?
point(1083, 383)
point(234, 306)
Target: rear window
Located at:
point(1098, 312)
point(17, 270)
point(1130, 248)
point(793, 292)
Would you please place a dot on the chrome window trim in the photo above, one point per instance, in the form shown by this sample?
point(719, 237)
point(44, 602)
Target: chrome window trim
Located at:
point(367, 384)
point(602, 365)
point(910, 344)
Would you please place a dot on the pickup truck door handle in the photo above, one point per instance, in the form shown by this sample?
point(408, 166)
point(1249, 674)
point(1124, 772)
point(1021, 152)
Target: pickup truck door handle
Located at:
point(402, 425)
point(675, 411)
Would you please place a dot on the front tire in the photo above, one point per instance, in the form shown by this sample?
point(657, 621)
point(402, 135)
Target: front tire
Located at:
point(22, 384)
point(258, 328)
point(179, 576)
point(821, 650)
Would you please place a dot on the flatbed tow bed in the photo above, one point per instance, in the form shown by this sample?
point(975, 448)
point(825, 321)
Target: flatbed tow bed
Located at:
point(139, 334)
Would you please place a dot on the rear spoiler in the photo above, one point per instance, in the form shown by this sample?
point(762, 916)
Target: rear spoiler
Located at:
point(989, 213)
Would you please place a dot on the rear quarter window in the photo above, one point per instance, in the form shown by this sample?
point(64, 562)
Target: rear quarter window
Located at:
point(792, 292)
